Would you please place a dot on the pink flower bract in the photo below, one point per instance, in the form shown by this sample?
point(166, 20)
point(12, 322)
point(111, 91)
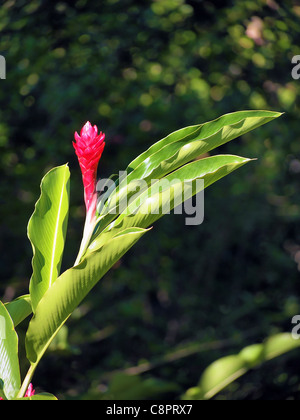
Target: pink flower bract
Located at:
point(30, 392)
point(89, 147)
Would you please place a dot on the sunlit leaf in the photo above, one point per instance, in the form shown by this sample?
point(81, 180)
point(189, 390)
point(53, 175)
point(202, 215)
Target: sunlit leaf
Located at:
point(47, 231)
point(170, 192)
point(39, 397)
point(19, 309)
point(70, 289)
point(10, 380)
point(176, 150)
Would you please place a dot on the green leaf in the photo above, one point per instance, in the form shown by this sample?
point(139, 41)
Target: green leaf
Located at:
point(220, 374)
point(279, 344)
point(47, 231)
point(10, 380)
point(228, 369)
point(39, 397)
point(178, 149)
point(70, 289)
point(169, 190)
point(226, 128)
point(19, 309)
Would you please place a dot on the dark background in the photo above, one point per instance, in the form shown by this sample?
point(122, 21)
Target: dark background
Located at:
point(184, 296)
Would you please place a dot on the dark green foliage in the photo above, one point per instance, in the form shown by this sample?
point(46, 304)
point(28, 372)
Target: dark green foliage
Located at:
point(140, 70)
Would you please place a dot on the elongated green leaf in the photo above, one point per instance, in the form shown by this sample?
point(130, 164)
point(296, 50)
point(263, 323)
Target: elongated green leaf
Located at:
point(47, 231)
point(39, 397)
point(19, 309)
point(228, 369)
point(169, 192)
point(178, 149)
point(278, 345)
point(10, 380)
point(70, 289)
point(245, 121)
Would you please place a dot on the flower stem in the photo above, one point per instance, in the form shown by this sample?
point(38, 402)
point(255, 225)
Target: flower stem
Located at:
point(87, 235)
point(27, 381)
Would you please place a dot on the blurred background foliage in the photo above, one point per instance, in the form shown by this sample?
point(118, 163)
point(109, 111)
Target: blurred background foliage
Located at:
point(184, 296)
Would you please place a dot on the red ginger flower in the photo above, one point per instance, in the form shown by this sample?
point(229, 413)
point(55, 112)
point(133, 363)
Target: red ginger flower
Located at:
point(89, 147)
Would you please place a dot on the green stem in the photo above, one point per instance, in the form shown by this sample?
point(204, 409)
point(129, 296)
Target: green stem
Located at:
point(27, 381)
point(87, 235)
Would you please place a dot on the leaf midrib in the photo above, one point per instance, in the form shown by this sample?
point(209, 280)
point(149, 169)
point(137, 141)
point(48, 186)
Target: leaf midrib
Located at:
point(52, 269)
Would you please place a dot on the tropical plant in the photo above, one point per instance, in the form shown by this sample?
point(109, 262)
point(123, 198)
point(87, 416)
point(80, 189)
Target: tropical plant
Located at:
point(124, 214)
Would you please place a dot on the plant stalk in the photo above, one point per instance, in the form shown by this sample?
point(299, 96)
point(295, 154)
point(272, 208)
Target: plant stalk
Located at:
point(26, 381)
point(89, 228)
